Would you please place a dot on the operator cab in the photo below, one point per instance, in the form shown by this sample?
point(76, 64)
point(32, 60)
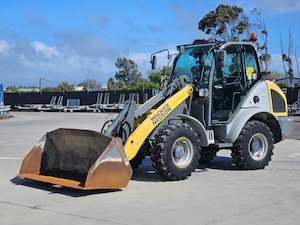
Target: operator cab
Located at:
point(219, 83)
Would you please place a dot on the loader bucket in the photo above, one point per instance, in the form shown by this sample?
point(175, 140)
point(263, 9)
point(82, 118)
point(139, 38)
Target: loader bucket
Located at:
point(78, 159)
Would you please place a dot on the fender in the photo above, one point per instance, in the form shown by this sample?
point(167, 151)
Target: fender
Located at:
point(200, 129)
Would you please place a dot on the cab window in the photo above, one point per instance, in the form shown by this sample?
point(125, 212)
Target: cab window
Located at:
point(194, 62)
point(251, 65)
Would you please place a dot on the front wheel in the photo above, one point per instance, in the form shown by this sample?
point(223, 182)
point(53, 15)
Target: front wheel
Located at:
point(175, 151)
point(253, 149)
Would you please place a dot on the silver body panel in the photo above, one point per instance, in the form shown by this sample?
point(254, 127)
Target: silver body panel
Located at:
point(247, 109)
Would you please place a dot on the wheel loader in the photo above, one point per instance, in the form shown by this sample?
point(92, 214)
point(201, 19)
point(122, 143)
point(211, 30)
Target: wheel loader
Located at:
point(216, 97)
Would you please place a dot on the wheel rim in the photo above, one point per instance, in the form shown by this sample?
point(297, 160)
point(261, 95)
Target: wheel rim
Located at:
point(182, 152)
point(258, 146)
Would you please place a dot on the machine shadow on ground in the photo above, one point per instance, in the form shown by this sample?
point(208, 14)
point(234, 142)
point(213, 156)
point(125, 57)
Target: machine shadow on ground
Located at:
point(62, 190)
point(145, 173)
point(219, 163)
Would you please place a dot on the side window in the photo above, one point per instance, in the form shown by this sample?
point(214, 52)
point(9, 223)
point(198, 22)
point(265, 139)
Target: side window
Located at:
point(232, 70)
point(251, 65)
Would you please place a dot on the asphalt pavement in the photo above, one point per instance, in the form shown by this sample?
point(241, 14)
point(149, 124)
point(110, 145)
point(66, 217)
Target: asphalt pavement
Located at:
point(217, 193)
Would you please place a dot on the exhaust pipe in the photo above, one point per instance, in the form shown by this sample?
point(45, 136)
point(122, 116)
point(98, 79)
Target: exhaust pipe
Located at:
point(80, 159)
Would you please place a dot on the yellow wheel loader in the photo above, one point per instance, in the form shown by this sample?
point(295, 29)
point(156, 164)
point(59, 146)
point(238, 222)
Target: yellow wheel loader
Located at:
point(216, 97)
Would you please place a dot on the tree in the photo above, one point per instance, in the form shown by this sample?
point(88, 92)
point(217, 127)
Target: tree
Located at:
point(129, 78)
point(50, 89)
point(65, 86)
point(225, 22)
point(13, 88)
point(145, 84)
point(155, 77)
point(166, 70)
point(127, 71)
point(90, 85)
point(111, 84)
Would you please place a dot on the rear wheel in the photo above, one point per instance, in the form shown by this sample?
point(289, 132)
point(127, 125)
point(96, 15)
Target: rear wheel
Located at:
point(253, 149)
point(175, 151)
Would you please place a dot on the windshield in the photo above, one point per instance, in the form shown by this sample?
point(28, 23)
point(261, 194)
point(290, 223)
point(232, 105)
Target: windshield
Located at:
point(194, 62)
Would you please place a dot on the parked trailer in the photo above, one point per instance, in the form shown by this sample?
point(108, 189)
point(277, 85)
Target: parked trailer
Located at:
point(72, 105)
point(97, 106)
point(55, 105)
point(121, 102)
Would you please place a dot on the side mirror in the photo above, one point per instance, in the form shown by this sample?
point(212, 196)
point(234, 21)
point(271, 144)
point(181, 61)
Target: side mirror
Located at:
point(220, 58)
point(153, 62)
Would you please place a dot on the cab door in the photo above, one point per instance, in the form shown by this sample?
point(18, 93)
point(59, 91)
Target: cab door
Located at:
point(232, 81)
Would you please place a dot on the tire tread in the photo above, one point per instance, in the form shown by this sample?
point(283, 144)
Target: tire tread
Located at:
point(238, 151)
point(158, 150)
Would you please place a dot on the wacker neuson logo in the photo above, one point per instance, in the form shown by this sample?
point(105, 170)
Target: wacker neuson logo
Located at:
point(160, 114)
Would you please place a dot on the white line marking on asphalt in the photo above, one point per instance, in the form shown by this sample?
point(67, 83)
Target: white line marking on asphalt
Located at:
point(295, 155)
point(10, 158)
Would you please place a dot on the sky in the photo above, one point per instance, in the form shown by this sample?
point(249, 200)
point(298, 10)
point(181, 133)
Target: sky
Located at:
point(73, 40)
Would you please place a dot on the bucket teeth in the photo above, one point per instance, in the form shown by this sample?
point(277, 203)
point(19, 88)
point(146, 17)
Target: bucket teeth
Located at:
point(78, 159)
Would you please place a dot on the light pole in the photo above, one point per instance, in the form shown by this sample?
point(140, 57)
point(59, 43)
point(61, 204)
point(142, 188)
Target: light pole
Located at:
point(40, 84)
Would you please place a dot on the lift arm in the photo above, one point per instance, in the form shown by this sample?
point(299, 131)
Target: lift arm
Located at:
point(143, 130)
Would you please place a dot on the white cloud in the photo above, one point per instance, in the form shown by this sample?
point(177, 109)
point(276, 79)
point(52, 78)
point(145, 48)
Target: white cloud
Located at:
point(272, 6)
point(4, 46)
point(143, 60)
point(282, 6)
point(73, 56)
point(140, 57)
point(43, 49)
point(72, 60)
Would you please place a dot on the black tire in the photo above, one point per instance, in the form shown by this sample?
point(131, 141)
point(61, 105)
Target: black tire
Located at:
point(163, 156)
point(138, 159)
point(242, 149)
point(207, 154)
